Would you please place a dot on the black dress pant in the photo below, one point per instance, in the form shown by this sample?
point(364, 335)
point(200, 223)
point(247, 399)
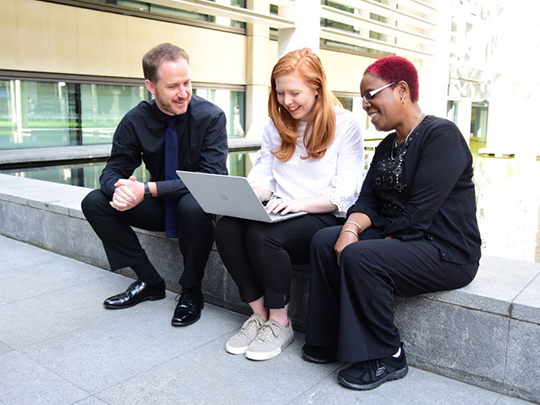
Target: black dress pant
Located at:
point(195, 228)
point(351, 305)
point(259, 255)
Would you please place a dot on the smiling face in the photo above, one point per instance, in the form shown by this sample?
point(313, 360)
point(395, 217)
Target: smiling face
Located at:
point(173, 88)
point(296, 96)
point(383, 109)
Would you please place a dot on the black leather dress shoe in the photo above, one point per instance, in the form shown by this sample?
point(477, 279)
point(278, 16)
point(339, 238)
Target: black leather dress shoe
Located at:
point(319, 354)
point(136, 292)
point(188, 310)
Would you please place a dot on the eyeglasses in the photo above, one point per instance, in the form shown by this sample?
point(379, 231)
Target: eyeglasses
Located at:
point(369, 95)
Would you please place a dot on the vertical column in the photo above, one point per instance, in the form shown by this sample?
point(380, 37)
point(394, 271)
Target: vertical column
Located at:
point(392, 39)
point(434, 72)
point(16, 110)
point(307, 14)
point(223, 20)
point(364, 31)
point(258, 71)
point(464, 113)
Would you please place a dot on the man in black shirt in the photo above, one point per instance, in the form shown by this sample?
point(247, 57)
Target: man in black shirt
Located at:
point(123, 201)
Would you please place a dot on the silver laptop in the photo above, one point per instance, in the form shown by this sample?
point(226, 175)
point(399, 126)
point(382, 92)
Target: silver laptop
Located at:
point(229, 195)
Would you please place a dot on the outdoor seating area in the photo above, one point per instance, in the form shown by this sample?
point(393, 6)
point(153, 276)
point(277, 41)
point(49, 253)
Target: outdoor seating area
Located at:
point(482, 334)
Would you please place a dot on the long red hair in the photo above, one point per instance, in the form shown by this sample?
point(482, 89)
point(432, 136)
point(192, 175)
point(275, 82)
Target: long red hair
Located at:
point(322, 121)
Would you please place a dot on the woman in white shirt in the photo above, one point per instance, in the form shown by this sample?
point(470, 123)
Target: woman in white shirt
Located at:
point(311, 160)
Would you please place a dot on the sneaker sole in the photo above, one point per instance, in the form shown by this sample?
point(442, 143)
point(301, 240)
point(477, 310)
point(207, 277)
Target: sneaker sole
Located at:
point(235, 350)
point(259, 356)
point(396, 375)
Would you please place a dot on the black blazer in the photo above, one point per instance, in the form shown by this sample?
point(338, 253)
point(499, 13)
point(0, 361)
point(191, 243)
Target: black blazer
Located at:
point(441, 205)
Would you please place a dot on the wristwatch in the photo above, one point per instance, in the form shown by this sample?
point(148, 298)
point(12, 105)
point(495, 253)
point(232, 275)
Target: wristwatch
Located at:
point(147, 192)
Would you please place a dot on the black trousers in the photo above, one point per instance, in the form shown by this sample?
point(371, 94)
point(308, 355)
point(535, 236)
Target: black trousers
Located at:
point(351, 305)
point(122, 246)
point(259, 256)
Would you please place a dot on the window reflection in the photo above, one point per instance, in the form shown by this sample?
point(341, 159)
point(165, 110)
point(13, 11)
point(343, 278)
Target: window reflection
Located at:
point(36, 114)
point(232, 103)
point(102, 108)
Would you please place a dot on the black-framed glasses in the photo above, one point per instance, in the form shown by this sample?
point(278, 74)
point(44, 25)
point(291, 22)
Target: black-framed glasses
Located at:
point(369, 95)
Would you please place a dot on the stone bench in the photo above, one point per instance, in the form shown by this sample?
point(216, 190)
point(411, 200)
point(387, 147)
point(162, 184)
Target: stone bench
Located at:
point(485, 334)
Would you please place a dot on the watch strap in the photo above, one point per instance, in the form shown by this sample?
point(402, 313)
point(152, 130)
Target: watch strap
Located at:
point(147, 192)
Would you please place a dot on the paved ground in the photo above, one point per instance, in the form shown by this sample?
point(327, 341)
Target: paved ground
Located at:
point(58, 345)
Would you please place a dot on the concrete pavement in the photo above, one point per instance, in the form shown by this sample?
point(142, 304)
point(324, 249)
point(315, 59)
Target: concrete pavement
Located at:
point(58, 345)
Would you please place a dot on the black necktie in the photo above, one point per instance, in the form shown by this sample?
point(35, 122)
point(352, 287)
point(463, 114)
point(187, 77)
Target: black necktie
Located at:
point(171, 166)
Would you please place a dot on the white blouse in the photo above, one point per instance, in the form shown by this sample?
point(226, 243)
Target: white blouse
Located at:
point(338, 174)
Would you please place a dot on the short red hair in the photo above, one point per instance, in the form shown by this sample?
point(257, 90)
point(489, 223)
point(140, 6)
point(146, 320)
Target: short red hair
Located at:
point(396, 69)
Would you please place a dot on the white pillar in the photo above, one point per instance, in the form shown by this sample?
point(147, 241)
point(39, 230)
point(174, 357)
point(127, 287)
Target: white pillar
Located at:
point(306, 34)
point(464, 118)
point(257, 71)
point(434, 73)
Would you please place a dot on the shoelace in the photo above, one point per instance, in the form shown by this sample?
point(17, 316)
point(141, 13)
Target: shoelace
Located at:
point(249, 326)
point(366, 366)
point(188, 298)
point(267, 331)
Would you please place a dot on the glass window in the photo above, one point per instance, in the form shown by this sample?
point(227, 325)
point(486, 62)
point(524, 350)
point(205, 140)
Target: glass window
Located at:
point(45, 114)
point(346, 102)
point(7, 124)
point(38, 114)
point(232, 103)
point(159, 10)
point(102, 108)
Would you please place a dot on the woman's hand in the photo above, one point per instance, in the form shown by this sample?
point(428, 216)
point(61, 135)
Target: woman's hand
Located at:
point(355, 224)
point(278, 205)
point(344, 240)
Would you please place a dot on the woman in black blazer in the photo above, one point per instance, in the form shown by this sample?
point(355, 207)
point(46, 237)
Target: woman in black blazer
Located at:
point(413, 230)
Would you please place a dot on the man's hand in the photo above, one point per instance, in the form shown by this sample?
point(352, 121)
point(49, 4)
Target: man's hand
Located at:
point(128, 194)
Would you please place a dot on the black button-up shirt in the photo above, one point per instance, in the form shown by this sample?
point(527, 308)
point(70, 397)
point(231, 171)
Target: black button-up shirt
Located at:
point(140, 136)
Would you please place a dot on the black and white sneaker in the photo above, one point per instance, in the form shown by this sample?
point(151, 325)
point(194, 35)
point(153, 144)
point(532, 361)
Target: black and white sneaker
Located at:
point(368, 375)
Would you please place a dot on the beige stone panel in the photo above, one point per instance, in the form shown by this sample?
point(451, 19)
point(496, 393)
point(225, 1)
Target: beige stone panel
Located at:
point(62, 28)
point(33, 35)
point(215, 56)
point(142, 35)
point(259, 67)
point(344, 71)
point(55, 38)
point(220, 58)
point(90, 40)
point(273, 57)
point(9, 53)
point(115, 45)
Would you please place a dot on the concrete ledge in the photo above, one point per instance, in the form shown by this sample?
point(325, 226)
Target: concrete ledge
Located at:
point(42, 156)
point(485, 334)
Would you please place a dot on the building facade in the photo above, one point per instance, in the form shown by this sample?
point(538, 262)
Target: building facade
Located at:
point(71, 69)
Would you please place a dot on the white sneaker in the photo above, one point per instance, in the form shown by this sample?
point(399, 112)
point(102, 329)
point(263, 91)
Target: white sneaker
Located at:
point(239, 343)
point(271, 340)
